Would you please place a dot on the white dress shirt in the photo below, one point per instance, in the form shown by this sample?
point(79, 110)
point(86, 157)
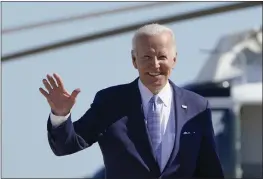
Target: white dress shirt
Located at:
point(167, 117)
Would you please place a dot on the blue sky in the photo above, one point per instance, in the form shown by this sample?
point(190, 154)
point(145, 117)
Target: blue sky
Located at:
point(90, 67)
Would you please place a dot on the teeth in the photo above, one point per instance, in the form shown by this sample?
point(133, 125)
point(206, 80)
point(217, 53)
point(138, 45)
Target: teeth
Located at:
point(154, 74)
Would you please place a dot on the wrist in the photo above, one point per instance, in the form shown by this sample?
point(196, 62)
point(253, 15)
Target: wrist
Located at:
point(59, 113)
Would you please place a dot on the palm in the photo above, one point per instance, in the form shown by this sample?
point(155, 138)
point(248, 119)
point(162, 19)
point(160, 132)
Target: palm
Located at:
point(58, 98)
point(60, 101)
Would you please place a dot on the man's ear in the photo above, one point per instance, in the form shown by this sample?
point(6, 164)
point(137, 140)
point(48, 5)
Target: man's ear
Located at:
point(133, 59)
point(174, 60)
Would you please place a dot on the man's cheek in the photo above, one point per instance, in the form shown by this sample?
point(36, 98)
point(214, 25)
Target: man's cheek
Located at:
point(165, 68)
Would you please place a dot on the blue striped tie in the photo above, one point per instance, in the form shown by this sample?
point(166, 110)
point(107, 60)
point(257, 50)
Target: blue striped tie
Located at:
point(154, 127)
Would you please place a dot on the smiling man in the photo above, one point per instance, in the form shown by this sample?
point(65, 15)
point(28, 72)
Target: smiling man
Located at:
point(154, 55)
point(149, 128)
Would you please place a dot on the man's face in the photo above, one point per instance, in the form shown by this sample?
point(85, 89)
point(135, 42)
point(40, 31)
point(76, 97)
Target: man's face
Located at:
point(154, 58)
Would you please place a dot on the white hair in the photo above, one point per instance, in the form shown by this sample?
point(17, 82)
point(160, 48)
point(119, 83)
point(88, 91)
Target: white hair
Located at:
point(151, 29)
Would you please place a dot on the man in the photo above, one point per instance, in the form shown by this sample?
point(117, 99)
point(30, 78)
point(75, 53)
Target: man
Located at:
point(149, 128)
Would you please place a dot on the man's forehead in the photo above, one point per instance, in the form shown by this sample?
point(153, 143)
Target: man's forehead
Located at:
point(148, 49)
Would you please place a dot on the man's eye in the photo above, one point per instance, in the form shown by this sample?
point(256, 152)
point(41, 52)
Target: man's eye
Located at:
point(162, 57)
point(147, 57)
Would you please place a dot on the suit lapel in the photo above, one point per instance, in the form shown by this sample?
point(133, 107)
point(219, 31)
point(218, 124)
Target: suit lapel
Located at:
point(180, 120)
point(139, 132)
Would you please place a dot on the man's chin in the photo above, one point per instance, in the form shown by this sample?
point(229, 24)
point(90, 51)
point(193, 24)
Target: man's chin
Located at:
point(155, 85)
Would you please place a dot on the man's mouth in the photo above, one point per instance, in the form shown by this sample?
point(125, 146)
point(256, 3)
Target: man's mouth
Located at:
point(154, 74)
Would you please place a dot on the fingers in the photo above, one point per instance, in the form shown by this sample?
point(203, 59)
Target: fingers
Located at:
point(43, 92)
point(74, 94)
point(52, 84)
point(59, 81)
point(47, 85)
point(52, 81)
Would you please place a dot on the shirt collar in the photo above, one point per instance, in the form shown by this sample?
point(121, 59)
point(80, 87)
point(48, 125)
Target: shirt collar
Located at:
point(165, 94)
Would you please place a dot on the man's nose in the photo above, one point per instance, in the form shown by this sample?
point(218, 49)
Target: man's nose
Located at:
point(156, 63)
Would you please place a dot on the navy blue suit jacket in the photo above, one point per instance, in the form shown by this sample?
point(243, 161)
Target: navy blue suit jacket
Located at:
point(116, 121)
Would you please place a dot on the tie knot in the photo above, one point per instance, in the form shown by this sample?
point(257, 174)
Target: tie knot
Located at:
point(154, 99)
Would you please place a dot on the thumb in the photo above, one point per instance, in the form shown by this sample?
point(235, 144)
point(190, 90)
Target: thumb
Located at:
point(74, 94)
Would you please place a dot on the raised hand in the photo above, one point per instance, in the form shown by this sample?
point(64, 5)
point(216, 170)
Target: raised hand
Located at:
point(58, 98)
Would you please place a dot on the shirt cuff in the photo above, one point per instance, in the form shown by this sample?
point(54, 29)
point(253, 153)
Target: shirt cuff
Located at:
point(58, 120)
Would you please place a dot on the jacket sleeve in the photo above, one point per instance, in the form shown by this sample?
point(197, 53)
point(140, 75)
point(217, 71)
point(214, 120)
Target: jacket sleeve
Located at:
point(71, 137)
point(208, 163)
